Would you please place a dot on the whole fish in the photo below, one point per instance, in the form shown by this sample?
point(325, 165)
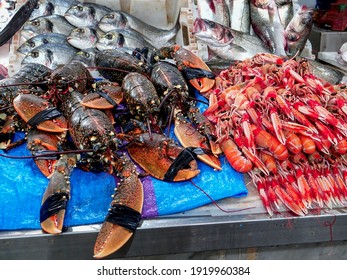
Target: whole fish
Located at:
point(50, 55)
point(285, 10)
point(50, 7)
point(41, 39)
point(239, 11)
point(298, 30)
point(87, 56)
point(86, 14)
point(84, 37)
point(121, 20)
point(266, 23)
point(237, 46)
point(214, 10)
point(46, 24)
point(119, 38)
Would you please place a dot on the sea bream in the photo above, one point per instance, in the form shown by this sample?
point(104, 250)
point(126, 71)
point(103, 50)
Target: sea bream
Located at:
point(46, 24)
point(266, 23)
point(225, 42)
point(51, 55)
point(239, 12)
point(86, 14)
point(156, 36)
point(120, 38)
point(84, 37)
point(52, 7)
point(214, 10)
point(298, 30)
point(41, 39)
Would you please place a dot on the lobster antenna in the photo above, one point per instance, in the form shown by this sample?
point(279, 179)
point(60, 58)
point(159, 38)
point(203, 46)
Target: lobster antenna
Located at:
point(216, 204)
point(48, 154)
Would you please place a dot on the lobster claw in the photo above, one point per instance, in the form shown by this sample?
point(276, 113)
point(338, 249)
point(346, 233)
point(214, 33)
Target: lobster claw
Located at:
point(38, 112)
point(188, 136)
point(106, 95)
point(39, 142)
point(159, 157)
point(56, 196)
point(196, 71)
point(125, 213)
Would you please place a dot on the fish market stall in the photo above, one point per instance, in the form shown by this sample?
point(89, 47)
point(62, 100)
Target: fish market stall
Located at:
point(192, 133)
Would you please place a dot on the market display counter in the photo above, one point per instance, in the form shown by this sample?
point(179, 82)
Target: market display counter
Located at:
point(203, 229)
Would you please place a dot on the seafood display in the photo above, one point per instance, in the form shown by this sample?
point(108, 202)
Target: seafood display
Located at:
point(100, 90)
point(286, 128)
point(72, 103)
point(277, 28)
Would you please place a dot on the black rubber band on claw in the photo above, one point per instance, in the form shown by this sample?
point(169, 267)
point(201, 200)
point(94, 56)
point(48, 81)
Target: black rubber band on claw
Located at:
point(183, 159)
point(53, 205)
point(124, 216)
point(47, 114)
point(194, 73)
point(108, 98)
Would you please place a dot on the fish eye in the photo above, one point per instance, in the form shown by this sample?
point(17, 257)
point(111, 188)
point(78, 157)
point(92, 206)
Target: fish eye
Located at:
point(111, 16)
point(36, 23)
point(79, 8)
point(86, 54)
point(31, 44)
point(108, 36)
point(45, 41)
point(80, 30)
point(37, 6)
point(34, 54)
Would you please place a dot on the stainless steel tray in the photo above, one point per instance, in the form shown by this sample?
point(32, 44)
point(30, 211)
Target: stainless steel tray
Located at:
point(203, 229)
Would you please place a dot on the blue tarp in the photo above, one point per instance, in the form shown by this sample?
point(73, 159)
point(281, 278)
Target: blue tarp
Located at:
point(22, 186)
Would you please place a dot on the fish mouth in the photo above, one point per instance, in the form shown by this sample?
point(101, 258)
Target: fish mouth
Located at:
point(198, 25)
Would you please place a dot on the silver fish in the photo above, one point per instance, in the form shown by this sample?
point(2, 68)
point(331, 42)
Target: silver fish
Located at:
point(236, 46)
point(325, 72)
point(46, 24)
point(215, 10)
point(298, 30)
point(267, 25)
point(41, 39)
point(230, 52)
point(212, 33)
point(84, 37)
point(285, 10)
point(121, 20)
point(86, 56)
point(50, 7)
point(86, 14)
point(50, 55)
point(239, 11)
point(119, 38)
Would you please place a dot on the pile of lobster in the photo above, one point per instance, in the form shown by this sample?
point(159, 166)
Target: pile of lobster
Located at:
point(72, 120)
point(286, 128)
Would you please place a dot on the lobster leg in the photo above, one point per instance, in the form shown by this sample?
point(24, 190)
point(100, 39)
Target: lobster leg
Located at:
point(125, 213)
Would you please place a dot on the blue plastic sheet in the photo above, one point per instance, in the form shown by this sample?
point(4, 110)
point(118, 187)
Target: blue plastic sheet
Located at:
point(22, 186)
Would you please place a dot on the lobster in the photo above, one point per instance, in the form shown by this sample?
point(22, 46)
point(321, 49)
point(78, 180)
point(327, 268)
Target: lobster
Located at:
point(154, 92)
point(70, 95)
